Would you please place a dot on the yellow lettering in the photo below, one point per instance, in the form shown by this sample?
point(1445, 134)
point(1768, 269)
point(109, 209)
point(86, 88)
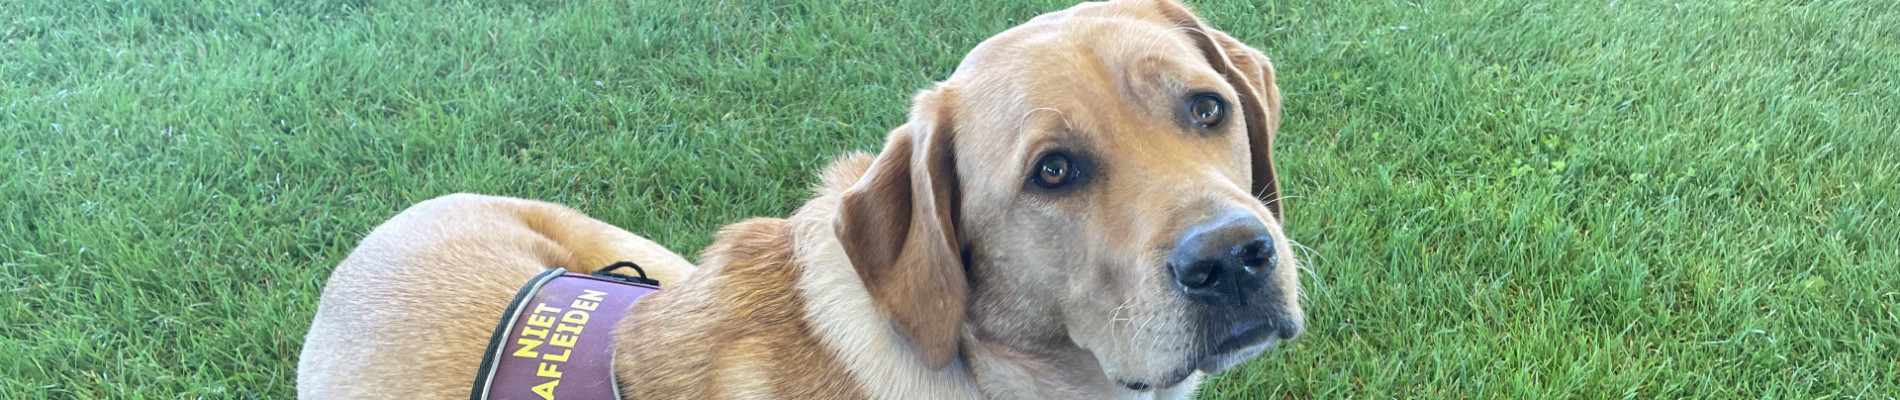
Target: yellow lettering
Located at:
point(561, 358)
point(546, 390)
point(527, 347)
point(540, 320)
point(543, 308)
point(576, 317)
point(593, 295)
point(565, 328)
point(585, 305)
point(531, 331)
point(547, 370)
point(563, 340)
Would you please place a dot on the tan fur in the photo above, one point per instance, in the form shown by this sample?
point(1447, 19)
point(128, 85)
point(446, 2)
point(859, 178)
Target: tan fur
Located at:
point(898, 228)
point(401, 316)
point(740, 333)
point(929, 270)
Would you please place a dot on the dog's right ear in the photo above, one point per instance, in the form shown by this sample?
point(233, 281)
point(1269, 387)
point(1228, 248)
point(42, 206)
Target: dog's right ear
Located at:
point(898, 227)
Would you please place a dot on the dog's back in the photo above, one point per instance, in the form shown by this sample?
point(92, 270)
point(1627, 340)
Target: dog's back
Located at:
point(409, 312)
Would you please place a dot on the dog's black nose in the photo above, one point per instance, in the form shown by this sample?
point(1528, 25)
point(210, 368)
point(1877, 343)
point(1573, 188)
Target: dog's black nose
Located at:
point(1223, 257)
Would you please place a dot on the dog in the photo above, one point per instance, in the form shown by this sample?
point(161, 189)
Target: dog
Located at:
point(1086, 208)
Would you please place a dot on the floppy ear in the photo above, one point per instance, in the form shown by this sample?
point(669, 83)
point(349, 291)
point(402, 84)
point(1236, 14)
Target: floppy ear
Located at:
point(1251, 74)
point(898, 226)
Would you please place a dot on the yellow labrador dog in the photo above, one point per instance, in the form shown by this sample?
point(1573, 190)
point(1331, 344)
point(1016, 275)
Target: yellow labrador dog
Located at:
point(1087, 208)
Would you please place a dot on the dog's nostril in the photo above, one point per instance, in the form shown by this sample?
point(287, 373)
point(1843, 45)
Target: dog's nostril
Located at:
point(1219, 260)
point(1200, 275)
point(1254, 256)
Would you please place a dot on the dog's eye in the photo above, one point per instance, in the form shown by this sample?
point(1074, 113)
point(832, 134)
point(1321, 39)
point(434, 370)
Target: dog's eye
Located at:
point(1054, 170)
point(1207, 110)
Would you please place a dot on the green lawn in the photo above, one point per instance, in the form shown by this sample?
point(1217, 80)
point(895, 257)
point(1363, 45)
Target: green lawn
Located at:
point(1500, 199)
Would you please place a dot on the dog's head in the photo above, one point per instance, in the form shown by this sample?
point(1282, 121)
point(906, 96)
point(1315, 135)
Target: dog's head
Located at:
point(1098, 178)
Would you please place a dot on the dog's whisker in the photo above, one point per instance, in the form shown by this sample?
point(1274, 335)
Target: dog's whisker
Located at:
point(1303, 259)
point(1116, 314)
point(1282, 199)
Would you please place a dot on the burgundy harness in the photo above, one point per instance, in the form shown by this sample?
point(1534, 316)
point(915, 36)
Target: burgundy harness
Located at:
point(556, 339)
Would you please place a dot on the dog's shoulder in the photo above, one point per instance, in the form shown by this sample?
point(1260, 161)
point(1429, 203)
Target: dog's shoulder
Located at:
point(736, 329)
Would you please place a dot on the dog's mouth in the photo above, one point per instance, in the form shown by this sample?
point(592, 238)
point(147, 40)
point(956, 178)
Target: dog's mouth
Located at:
point(1172, 379)
point(1217, 363)
point(1243, 343)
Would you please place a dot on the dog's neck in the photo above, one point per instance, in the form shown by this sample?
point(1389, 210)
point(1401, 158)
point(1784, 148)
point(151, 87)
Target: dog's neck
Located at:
point(846, 320)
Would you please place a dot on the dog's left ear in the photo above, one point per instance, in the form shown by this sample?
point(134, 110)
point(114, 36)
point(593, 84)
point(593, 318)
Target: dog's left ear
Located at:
point(1251, 74)
point(898, 226)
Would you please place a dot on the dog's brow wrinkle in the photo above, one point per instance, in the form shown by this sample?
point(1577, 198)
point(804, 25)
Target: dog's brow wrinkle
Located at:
point(1059, 113)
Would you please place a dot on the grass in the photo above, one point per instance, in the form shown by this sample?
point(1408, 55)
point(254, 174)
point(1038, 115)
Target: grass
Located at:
point(1503, 199)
